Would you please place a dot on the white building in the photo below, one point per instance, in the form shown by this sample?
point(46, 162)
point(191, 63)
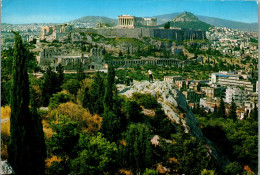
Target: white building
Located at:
point(239, 95)
point(230, 79)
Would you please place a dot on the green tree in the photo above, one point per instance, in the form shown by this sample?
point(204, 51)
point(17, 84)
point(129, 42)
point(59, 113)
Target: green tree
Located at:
point(167, 25)
point(234, 168)
point(232, 112)
point(72, 86)
point(222, 109)
point(60, 76)
point(254, 113)
point(96, 155)
point(26, 132)
point(49, 85)
point(80, 72)
point(97, 92)
point(132, 111)
point(163, 126)
point(108, 98)
point(66, 136)
point(57, 99)
point(87, 100)
point(190, 153)
point(111, 125)
point(137, 152)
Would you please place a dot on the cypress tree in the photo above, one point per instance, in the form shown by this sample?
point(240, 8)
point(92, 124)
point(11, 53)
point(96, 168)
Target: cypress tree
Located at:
point(87, 100)
point(215, 109)
point(108, 98)
point(222, 109)
point(60, 76)
point(232, 112)
point(49, 85)
point(26, 149)
point(97, 94)
point(80, 72)
point(254, 113)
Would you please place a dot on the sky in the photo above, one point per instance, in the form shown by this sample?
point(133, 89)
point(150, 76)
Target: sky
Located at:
point(61, 11)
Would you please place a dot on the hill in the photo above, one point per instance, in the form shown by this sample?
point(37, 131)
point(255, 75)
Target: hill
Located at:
point(187, 20)
point(253, 27)
point(213, 21)
point(94, 20)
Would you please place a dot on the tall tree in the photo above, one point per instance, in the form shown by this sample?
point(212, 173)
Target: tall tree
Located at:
point(97, 92)
point(49, 85)
point(137, 152)
point(60, 76)
point(232, 112)
point(26, 149)
point(108, 98)
point(222, 109)
point(254, 113)
point(167, 25)
point(80, 72)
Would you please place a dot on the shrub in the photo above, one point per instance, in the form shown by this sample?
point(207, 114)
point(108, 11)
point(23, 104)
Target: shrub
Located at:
point(150, 172)
point(5, 130)
point(97, 156)
point(132, 111)
point(77, 113)
point(146, 100)
point(72, 85)
point(57, 99)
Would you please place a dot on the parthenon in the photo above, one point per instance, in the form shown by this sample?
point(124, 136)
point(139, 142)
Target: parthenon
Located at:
point(128, 21)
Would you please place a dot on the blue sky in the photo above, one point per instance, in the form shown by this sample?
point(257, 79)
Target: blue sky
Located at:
point(59, 11)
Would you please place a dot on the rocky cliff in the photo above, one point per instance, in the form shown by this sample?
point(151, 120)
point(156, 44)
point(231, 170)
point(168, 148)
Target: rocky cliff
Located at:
point(174, 105)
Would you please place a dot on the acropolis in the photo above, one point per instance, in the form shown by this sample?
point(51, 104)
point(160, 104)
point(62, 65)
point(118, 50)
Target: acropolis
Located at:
point(128, 21)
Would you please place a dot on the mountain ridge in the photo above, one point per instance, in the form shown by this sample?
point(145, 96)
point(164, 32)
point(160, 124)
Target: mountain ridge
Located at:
point(218, 22)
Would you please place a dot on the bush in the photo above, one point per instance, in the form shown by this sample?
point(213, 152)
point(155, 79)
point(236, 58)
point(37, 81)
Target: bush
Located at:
point(146, 100)
point(57, 99)
point(150, 172)
point(5, 130)
point(96, 156)
point(72, 86)
point(77, 113)
point(132, 111)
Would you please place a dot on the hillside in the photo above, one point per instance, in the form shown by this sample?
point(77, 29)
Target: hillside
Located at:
point(187, 20)
point(230, 24)
point(213, 21)
point(94, 20)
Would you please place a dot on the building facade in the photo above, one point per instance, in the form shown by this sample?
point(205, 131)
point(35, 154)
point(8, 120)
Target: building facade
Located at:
point(53, 56)
point(50, 33)
point(240, 96)
point(231, 79)
point(128, 21)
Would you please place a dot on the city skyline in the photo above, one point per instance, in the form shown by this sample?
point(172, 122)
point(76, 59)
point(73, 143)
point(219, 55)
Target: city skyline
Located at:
point(60, 11)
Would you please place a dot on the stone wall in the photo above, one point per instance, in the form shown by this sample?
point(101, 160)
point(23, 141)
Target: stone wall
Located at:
point(173, 34)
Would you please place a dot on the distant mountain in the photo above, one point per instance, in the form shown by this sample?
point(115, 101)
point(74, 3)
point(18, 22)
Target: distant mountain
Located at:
point(213, 21)
point(187, 20)
point(185, 17)
point(94, 20)
point(253, 27)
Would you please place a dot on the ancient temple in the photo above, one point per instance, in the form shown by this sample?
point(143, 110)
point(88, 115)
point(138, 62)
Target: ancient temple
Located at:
point(128, 21)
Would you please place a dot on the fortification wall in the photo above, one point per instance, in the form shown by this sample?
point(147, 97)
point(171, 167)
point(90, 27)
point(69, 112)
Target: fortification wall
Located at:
point(173, 34)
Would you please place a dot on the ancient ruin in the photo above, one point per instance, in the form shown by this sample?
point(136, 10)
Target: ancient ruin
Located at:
point(53, 56)
point(50, 33)
point(128, 21)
